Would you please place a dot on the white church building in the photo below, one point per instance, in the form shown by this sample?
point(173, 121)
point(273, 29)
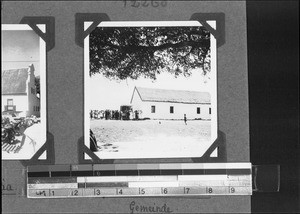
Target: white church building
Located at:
point(19, 92)
point(170, 104)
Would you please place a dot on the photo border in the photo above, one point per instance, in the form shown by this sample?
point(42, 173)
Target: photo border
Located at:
point(44, 28)
point(87, 27)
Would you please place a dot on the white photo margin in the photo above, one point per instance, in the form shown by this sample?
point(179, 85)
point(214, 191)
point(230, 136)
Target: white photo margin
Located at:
point(43, 81)
point(213, 47)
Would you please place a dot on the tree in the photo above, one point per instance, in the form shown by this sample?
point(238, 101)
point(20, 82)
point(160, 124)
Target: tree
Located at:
point(133, 52)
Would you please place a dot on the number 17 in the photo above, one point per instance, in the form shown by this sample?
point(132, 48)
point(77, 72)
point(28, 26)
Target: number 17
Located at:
point(186, 190)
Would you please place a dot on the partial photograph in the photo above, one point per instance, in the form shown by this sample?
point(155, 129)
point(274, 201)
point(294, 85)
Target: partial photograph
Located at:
point(23, 108)
point(150, 90)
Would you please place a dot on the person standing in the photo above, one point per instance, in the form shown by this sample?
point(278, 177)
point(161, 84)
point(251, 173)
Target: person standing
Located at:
point(184, 118)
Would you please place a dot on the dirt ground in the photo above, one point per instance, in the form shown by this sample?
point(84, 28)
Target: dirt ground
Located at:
point(151, 138)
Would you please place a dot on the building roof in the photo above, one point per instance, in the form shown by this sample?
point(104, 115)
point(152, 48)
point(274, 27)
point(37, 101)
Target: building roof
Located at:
point(174, 96)
point(14, 81)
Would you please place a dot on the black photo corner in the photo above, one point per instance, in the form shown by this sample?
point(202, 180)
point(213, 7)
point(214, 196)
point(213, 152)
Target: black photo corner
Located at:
point(273, 72)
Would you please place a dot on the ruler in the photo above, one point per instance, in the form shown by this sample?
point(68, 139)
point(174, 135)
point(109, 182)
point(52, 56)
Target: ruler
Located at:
point(139, 180)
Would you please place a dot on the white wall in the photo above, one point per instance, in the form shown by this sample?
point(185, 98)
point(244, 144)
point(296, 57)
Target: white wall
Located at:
point(20, 101)
point(33, 100)
point(28, 104)
point(162, 109)
point(33, 105)
point(22, 104)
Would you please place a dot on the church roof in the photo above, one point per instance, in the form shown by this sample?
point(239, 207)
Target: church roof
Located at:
point(13, 81)
point(174, 96)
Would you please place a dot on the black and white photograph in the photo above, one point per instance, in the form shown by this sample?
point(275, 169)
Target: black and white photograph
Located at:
point(150, 90)
point(23, 92)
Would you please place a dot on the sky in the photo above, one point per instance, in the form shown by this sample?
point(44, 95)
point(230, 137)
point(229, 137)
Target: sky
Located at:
point(110, 94)
point(19, 49)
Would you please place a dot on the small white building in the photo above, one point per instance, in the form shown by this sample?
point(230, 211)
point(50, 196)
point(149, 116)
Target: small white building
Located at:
point(170, 104)
point(19, 92)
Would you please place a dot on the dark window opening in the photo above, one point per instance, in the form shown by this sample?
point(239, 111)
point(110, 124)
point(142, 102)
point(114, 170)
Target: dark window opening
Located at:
point(198, 110)
point(171, 109)
point(209, 110)
point(152, 109)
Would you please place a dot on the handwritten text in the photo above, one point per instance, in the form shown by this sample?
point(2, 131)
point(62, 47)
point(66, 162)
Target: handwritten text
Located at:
point(144, 3)
point(136, 208)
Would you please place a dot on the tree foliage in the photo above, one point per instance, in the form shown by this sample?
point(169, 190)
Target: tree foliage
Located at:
point(133, 52)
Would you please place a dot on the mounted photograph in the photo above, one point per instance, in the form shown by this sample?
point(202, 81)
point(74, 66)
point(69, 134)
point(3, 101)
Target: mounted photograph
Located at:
point(23, 92)
point(150, 90)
